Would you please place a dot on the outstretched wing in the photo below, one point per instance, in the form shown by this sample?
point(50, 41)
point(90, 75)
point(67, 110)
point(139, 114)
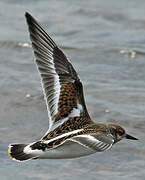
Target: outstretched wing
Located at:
point(61, 85)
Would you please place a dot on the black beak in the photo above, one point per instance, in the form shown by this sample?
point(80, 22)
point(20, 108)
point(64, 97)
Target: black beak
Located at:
point(130, 137)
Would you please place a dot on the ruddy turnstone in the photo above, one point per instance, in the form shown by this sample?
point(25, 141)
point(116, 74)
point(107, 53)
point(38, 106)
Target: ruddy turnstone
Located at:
point(71, 131)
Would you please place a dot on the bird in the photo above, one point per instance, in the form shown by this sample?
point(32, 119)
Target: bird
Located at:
point(71, 133)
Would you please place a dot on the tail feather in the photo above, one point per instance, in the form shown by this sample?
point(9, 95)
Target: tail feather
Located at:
point(16, 152)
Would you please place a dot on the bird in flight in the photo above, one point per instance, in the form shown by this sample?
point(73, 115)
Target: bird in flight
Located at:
point(71, 131)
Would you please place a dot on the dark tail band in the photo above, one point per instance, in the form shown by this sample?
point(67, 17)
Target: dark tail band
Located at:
point(16, 152)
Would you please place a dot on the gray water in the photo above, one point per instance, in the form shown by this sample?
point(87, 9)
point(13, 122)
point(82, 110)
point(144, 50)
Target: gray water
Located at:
point(105, 41)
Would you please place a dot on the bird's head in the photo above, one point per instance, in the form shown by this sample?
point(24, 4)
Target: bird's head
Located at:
point(119, 133)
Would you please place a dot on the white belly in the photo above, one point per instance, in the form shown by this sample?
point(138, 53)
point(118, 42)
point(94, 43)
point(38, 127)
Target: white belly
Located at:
point(69, 149)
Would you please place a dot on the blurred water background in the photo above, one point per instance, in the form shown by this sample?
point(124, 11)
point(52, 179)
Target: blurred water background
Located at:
point(105, 41)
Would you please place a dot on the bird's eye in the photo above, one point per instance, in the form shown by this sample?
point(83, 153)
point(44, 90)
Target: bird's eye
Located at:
point(120, 132)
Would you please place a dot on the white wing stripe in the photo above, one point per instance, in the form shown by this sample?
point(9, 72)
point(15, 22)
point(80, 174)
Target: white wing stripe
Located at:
point(52, 98)
point(63, 135)
point(92, 142)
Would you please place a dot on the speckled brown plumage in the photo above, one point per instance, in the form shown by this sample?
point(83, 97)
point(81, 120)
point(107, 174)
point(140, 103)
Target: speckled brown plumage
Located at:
point(67, 101)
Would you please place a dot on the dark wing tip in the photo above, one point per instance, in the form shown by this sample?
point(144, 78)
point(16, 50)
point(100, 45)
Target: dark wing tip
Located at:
point(36, 29)
point(27, 14)
point(29, 18)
